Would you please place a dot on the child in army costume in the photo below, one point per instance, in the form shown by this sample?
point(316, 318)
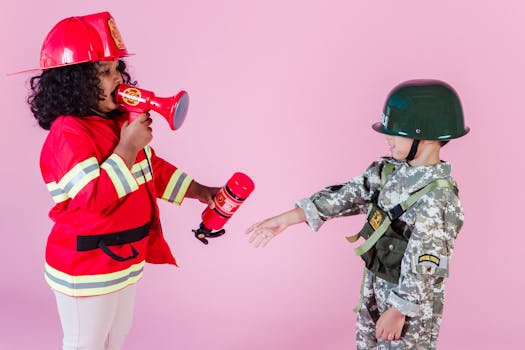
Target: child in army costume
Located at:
point(413, 217)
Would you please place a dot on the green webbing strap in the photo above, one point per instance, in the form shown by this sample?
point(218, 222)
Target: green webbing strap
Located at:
point(388, 168)
point(369, 243)
point(439, 183)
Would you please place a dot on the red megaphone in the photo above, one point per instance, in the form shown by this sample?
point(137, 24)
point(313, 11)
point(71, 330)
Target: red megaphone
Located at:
point(137, 101)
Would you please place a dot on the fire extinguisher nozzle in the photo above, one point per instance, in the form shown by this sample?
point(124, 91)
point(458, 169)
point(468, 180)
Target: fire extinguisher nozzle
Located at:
point(202, 233)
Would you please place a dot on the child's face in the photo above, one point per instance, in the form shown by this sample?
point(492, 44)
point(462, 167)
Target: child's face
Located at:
point(399, 146)
point(110, 78)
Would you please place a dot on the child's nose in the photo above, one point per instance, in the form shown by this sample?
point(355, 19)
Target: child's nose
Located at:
point(118, 78)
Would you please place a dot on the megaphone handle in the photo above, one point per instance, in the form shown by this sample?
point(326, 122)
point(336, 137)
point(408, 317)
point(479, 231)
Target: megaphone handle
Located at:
point(133, 116)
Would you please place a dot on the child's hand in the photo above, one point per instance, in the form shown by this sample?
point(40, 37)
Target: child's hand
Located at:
point(202, 193)
point(138, 134)
point(134, 137)
point(263, 232)
point(390, 324)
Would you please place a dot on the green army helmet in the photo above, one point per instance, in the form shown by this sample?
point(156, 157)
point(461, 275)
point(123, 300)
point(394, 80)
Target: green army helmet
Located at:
point(423, 110)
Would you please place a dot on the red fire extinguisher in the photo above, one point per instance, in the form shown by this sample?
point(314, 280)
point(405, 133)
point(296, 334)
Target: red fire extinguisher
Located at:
point(226, 201)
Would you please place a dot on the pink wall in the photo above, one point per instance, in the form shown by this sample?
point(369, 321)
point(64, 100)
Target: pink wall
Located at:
point(296, 84)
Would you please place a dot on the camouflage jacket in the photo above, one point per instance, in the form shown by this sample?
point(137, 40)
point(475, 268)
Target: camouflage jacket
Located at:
point(432, 223)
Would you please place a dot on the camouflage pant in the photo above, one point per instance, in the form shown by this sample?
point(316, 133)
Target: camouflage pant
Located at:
point(419, 333)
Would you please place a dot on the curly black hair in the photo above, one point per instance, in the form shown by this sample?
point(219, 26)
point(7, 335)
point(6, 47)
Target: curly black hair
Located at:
point(68, 90)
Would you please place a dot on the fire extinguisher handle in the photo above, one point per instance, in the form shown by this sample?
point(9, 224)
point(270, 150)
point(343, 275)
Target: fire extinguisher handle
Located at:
point(202, 233)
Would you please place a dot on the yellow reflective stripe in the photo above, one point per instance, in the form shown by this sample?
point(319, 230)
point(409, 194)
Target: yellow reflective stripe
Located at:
point(149, 174)
point(182, 190)
point(140, 170)
point(177, 187)
point(148, 152)
point(136, 170)
point(57, 193)
point(79, 176)
point(92, 284)
point(140, 180)
point(120, 175)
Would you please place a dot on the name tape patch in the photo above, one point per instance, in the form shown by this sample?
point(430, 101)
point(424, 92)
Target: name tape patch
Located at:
point(429, 258)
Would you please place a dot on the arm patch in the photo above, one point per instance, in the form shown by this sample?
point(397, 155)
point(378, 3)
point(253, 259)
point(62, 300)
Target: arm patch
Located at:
point(430, 258)
point(429, 264)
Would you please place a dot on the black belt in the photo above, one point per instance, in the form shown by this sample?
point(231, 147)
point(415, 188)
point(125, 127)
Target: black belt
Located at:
point(86, 243)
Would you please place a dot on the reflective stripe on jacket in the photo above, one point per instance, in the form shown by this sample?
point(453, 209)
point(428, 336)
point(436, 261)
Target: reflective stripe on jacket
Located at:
point(97, 197)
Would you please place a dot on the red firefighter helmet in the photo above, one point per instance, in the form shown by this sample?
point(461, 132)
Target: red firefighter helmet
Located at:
point(82, 39)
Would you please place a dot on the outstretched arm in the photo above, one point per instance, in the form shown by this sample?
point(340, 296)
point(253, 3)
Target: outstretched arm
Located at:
point(262, 232)
point(350, 198)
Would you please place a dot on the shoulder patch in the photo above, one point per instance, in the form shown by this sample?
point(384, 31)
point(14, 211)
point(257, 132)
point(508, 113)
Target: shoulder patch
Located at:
point(428, 258)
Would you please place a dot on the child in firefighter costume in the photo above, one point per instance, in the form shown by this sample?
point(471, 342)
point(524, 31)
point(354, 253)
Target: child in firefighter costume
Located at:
point(413, 217)
point(104, 179)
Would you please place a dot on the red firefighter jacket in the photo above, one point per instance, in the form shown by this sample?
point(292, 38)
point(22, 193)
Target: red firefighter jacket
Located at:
point(106, 220)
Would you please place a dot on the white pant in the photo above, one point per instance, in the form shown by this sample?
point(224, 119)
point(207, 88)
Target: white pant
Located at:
point(96, 323)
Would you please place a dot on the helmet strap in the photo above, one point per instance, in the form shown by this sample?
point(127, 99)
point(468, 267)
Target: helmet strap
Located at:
point(413, 150)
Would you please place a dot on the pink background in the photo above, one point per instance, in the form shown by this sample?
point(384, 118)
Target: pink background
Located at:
point(286, 91)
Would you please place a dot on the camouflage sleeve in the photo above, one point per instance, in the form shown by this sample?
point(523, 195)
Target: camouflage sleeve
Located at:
point(438, 219)
point(345, 199)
